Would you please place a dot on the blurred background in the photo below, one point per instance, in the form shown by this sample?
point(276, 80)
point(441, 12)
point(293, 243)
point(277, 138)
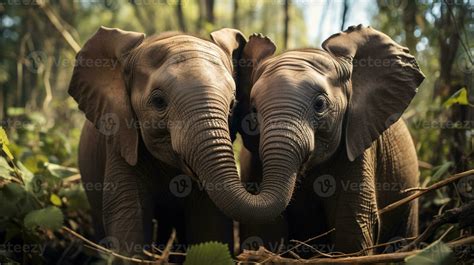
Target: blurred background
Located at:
point(39, 40)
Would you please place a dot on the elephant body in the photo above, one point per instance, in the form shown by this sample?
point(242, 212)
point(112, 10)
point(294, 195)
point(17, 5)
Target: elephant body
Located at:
point(149, 190)
point(329, 194)
point(329, 127)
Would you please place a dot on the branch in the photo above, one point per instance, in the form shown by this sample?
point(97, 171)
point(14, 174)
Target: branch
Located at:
point(463, 215)
point(435, 186)
point(59, 26)
point(262, 253)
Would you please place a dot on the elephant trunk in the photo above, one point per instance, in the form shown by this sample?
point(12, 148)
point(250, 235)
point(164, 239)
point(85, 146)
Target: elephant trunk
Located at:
point(210, 156)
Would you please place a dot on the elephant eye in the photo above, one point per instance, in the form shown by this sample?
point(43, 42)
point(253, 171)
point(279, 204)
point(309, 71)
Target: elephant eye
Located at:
point(320, 104)
point(159, 102)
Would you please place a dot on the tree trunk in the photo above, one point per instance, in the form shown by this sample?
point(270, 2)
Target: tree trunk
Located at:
point(344, 14)
point(235, 13)
point(206, 13)
point(180, 15)
point(286, 23)
point(409, 23)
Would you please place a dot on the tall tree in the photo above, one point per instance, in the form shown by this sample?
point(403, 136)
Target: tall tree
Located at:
point(206, 13)
point(286, 24)
point(345, 9)
point(235, 14)
point(180, 15)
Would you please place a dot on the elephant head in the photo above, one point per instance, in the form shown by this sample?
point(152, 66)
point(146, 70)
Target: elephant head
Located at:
point(175, 93)
point(312, 102)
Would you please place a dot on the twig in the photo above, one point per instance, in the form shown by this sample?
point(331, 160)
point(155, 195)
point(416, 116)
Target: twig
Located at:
point(425, 165)
point(380, 258)
point(277, 256)
point(59, 26)
point(451, 216)
point(166, 252)
point(435, 186)
point(106, 250)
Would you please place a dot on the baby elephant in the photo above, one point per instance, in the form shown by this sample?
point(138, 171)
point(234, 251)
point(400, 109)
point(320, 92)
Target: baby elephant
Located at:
point(158, 113)
point(332, 116)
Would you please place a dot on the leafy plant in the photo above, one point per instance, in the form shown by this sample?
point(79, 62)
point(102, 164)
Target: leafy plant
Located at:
point(208, 253)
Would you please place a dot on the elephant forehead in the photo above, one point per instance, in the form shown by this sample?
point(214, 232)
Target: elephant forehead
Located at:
point(181, 48)
point(301, 60)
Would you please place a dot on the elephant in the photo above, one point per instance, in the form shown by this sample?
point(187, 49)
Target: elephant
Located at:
point(159, 120)
point(328, 125)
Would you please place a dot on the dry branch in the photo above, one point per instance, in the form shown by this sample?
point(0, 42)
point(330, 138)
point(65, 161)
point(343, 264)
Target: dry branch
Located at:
point(463, 215)
point(435, 186)
point(57, 23)
point(263, 254)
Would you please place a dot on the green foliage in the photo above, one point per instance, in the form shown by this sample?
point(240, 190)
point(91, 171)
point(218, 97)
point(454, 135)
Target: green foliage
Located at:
point(459, 97)
point(208, 253)
point(437, 253)
point(49, 218)
point(34, 201)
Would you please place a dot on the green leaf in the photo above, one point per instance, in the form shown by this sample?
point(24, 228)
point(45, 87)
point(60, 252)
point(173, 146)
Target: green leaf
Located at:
point(208, 253)
point(436, 253)
point(50, 218)
point(60, 171)
point(441, 170)
point(4, 144)
point(55, 200)
point(459, 97)
point(5, 169)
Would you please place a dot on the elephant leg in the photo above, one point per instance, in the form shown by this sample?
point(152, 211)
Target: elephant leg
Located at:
point(92, 167)
point(272, 235)
point(397, 170)
point(127, 207)
point(205, 222)
point(352, 210)
point(306, 219)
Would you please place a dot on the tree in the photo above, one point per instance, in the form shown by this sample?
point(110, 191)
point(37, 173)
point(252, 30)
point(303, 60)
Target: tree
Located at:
point(286, 23)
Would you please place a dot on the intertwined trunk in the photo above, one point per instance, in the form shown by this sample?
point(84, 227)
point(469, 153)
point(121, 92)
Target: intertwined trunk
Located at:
point(207, 149)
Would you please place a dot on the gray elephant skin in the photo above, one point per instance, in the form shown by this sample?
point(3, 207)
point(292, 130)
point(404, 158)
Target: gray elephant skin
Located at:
point(330, 137)
point(159, 120)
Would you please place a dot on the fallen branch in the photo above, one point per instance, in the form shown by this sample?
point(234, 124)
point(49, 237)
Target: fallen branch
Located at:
point(266, 255)
point(463, 215)
point(159, 259)
point(435, 186)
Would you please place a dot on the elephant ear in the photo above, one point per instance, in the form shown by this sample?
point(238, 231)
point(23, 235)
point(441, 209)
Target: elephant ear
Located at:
point(384, 79)
point(98, 86)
